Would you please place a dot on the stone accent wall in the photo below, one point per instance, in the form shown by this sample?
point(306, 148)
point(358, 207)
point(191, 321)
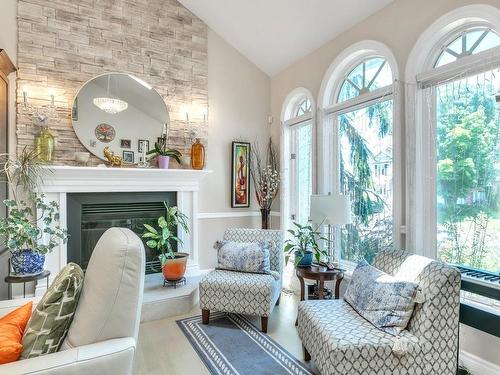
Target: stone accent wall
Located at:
point(63, 44)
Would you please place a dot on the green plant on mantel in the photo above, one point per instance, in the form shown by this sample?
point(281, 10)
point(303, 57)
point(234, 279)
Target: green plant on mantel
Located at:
point(20, 230)
point(161, 238)
point(163, 150)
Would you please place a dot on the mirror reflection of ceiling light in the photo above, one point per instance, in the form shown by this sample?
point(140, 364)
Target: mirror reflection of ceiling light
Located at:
point(145, 84)
point(110, 105)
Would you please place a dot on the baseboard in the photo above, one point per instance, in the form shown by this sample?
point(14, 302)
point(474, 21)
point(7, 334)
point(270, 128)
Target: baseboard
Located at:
point(477, 365)
point(221, 215)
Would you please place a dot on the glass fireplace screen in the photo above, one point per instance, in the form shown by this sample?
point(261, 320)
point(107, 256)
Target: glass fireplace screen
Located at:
point(98, 214)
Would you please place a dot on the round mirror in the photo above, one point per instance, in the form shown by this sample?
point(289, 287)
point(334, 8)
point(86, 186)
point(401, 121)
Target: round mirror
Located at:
point(121, 112)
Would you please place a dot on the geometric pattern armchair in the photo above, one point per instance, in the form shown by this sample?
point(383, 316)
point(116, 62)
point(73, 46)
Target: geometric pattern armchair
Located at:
point(340, 341)
point(245, 293)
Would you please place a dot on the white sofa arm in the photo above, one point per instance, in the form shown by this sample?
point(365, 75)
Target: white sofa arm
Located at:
point(110, 357)
point(9, 305)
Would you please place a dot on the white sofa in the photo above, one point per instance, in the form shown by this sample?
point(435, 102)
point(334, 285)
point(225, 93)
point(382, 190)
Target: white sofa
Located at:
point(103, 335)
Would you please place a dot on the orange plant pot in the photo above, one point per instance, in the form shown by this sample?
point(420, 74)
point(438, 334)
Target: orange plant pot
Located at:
point(174, 269)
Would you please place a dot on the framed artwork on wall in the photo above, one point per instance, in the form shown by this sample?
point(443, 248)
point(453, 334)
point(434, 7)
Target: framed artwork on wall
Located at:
point(128, 157)
point(240, 175)
point(125, 143)
point(142, 143)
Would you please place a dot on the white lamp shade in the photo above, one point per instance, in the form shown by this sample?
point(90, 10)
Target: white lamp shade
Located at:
point(330, 209)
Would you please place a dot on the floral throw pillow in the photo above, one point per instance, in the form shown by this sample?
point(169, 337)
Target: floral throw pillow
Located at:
point(243, 256)
point(383, 300)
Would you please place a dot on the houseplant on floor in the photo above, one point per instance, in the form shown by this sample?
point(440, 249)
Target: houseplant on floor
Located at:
point(303, 245)
point(163, 154)
point(20, 232)
point(162, 238)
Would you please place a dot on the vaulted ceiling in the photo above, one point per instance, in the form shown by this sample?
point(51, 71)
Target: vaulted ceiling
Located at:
point(275, 33)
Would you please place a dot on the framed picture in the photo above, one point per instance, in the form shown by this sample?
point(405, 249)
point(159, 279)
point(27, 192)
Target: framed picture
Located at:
point(142, 143)
point(125, 143)
point(240, 175)
point(128, 157)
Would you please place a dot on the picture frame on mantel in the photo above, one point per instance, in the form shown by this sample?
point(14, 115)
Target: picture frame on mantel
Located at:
point(240, 175)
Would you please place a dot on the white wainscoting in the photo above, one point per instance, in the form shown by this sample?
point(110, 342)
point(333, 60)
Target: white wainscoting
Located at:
point(230, 214)
point(476, 365)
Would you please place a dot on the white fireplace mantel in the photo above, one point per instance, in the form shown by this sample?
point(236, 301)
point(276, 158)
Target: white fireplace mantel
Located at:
point(58, 181)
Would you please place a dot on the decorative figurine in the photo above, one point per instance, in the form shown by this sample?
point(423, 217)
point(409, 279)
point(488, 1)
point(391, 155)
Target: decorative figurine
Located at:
point(114, 160)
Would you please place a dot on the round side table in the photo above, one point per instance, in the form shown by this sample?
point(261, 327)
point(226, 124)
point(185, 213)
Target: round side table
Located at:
point(14, 279)
point(320, 274)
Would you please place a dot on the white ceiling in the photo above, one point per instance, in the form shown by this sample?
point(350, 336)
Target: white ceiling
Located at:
point(275, 33)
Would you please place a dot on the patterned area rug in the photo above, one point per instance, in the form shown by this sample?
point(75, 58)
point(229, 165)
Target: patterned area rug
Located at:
point(231, 345)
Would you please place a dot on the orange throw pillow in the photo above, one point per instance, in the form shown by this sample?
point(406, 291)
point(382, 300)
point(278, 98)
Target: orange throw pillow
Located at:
point(12, 328)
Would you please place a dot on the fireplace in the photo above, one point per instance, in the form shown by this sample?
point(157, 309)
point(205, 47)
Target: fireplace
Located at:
point(91, 214)
point(66, 184)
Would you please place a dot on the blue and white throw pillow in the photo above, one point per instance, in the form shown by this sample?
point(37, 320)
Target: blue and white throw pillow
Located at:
point(383, 300)
point(243, 256)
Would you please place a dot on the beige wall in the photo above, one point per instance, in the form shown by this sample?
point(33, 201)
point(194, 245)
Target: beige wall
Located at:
point(238, 94)
point(398, 26)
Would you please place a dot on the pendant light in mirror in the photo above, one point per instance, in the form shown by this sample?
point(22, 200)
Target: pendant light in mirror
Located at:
point(110, 105)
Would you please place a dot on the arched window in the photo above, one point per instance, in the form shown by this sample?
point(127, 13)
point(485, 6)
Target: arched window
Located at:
point(456, 176)
point(298, 150)
point(358, 99)
point(303, 107)
point(371, 74)
point(469, 42)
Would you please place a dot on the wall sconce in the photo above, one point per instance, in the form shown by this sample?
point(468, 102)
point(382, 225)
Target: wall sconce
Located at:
point(40, 114)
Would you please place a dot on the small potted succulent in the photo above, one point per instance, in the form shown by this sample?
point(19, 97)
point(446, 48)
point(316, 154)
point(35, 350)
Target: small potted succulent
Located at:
point(163, 154)
point(20, 232)
point(163, 237)
point(304, 246)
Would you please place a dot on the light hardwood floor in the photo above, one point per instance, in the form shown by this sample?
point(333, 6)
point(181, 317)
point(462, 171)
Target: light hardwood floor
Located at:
point(163, 348)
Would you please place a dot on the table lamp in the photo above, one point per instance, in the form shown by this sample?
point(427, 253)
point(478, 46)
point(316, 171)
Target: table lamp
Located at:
point(330, 210)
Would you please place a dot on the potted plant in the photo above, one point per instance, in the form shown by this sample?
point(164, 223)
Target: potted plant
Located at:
point(304, 246)
point(162, 239)
point(20, 232)
point(163, 154)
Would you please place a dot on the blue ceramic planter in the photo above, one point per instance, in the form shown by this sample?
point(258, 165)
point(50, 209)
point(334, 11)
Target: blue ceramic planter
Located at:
point(26, 262)
point(306, 260)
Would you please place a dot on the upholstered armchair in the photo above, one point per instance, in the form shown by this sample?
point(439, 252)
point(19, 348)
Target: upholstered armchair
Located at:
point(103, 335)
point(245, 293)
point(342, 342)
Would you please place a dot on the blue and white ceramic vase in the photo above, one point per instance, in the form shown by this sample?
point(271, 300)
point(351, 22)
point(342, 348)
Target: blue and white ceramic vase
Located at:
point(26, 262)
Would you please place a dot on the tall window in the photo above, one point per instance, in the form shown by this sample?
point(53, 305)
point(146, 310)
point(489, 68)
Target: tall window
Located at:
point(468, 171)
point(363, 118)
point(467, 155)
point(299, 156)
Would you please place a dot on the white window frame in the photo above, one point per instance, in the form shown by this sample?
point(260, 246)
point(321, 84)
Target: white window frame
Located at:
point(288, 121)
point(328, 135)
point(422, 79)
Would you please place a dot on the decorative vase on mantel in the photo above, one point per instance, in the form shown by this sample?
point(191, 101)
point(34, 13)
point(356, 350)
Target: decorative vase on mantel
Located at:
point(265, 213)
point(44, 145)
point(163, 161)
point(197, 155)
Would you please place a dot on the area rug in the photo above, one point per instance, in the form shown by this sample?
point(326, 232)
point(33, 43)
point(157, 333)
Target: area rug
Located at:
point(231, 345)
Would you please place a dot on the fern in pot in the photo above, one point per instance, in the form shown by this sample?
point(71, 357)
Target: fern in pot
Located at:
point(21, 230)
point(162, 238)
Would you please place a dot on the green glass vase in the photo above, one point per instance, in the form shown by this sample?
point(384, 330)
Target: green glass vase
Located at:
point(44, 145)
